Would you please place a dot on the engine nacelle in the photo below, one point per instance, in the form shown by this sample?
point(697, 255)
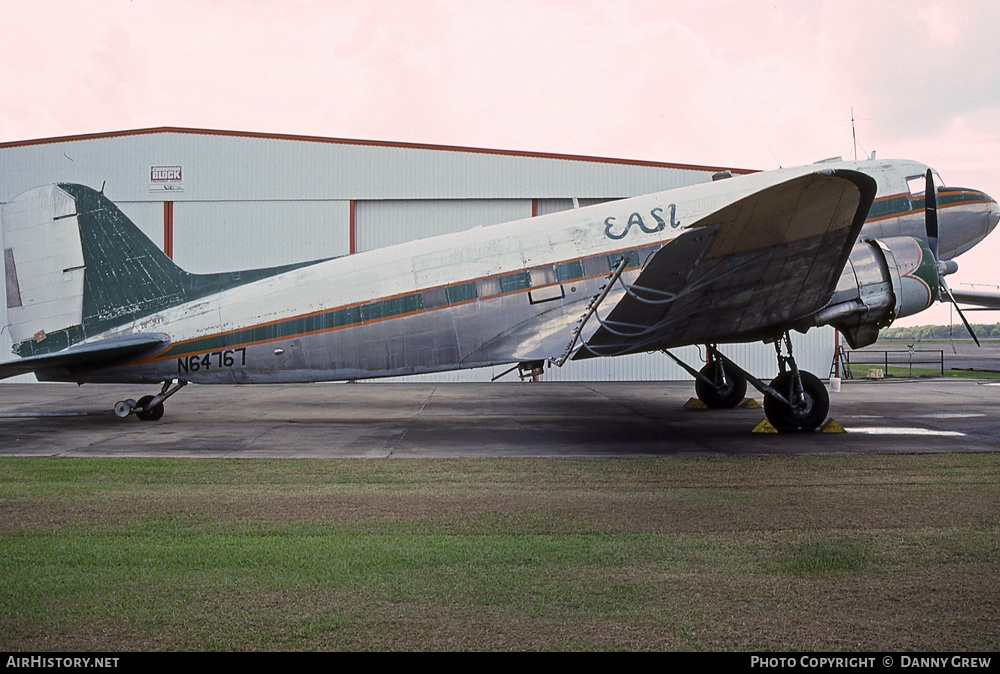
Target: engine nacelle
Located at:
point(882, 281)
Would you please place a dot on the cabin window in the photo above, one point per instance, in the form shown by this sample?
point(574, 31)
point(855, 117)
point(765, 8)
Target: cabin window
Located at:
point(544, 284)
point(542, 276)
point(488, 287)
point(597, 265)
point(435, 297)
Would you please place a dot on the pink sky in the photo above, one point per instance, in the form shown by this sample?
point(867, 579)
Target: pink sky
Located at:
point(720, 82)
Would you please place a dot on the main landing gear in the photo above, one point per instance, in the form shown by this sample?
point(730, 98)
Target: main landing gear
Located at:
point(795, 400)
point(149, 408)
point(721, 385)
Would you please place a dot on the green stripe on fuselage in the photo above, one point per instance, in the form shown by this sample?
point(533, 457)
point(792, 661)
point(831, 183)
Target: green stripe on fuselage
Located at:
point(346, 317)
point(887, 207)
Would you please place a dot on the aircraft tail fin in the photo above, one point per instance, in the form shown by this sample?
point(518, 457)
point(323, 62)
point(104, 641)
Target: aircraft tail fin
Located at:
point(75, 266)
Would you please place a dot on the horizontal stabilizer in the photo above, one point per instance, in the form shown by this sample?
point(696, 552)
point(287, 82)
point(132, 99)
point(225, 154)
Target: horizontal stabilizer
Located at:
point(93, 355)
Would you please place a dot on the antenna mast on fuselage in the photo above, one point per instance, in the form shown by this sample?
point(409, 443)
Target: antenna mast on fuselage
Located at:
point(854, 137)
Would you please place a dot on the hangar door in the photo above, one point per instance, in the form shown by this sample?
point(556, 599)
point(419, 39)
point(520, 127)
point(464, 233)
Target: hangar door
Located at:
point(385, 223)
point(211, 236)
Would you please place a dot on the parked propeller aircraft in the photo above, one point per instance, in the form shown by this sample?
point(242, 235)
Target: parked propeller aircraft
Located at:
point(854, 245)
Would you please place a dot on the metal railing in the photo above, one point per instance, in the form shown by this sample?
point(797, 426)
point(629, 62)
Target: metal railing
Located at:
point(897, 357)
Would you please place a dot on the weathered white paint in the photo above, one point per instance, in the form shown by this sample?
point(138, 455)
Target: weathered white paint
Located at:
point(40, 229)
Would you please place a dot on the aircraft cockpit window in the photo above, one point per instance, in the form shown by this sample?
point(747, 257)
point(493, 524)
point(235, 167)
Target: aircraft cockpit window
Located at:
point(917, 183)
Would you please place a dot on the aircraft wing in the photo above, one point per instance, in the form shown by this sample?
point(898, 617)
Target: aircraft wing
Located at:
point(747, 271)
point(100, 354)
point(981, 299)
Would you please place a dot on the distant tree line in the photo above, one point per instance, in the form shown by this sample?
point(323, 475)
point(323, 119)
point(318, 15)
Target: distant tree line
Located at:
point(928, 332)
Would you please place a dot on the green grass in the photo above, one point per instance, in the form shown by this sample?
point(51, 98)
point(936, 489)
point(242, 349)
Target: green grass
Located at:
point(860, 371)
point(764, 553)
point(826, 557)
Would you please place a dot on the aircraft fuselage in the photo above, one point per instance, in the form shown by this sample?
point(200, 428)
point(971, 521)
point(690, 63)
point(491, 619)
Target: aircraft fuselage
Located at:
point(507, 293)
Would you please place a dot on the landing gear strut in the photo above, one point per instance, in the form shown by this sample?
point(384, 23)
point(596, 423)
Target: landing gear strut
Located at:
point(149, 408)
point(721, 384)
point(796, 400)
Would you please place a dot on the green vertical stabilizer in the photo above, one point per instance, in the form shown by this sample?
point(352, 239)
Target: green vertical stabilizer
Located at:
point(128, 277)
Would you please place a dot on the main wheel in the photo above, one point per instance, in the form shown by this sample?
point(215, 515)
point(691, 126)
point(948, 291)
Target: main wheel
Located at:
point(721, 395)
point(811, 415)
point(154, 414)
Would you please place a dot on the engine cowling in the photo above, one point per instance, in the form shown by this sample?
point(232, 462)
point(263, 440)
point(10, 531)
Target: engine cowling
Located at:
point(884, 279)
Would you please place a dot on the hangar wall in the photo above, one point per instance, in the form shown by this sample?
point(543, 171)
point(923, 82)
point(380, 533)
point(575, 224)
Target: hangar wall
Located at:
point(385, 223)
point(246, 200)
point(229, 166)
point(210, 236)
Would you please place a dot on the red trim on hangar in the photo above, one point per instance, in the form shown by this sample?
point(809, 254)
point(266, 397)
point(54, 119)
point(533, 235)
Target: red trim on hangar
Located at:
point(368, 143)
point(353, 228)
point(168, 229)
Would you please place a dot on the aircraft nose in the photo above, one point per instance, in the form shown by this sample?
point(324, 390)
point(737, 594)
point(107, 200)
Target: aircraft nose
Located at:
point(992, 213)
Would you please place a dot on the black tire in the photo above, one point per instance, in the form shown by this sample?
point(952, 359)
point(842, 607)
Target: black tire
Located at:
point(783, 418)
point(154, 414)
point(721, 397)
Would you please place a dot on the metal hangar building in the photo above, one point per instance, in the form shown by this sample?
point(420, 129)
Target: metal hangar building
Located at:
point(224, 201)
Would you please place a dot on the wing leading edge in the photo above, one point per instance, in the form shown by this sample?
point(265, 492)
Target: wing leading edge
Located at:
point(983, 300)
point(745, 272)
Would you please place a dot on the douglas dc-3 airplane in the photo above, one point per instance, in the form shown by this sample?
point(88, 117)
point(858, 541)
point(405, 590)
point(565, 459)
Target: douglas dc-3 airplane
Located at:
point(854, 245)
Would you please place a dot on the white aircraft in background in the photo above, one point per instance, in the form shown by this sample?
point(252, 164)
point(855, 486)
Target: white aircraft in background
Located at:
point(985, 300)
point(854, 245)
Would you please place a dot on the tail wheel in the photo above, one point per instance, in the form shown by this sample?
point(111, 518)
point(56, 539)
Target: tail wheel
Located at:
point(123, 408)
point(722, 393)
point(808, 416)
point(154, 414)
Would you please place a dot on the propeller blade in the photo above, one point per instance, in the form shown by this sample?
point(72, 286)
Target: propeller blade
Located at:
point(944, 286)
point(930, 213)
